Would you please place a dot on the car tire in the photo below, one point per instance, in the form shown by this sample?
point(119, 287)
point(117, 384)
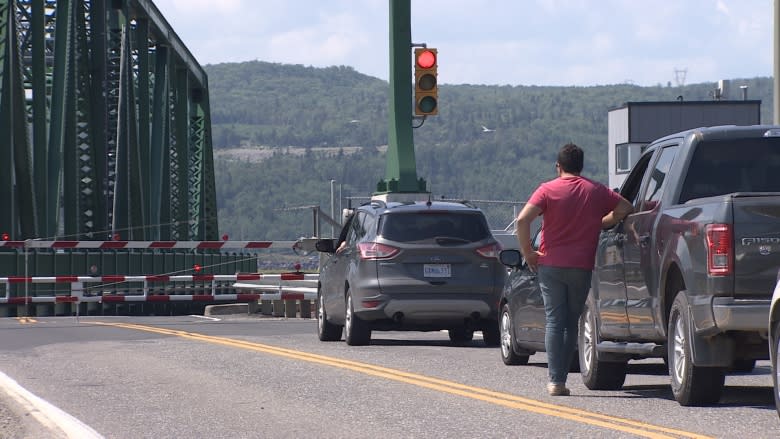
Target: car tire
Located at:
point(326, 331)
point(508, 354)
point(491, 334)
point(596, 374)
point(691, 385)
point(461, 335)
point(356, 331)
point(775, 337)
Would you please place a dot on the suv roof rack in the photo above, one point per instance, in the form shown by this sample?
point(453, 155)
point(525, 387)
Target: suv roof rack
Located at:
point(378, 203)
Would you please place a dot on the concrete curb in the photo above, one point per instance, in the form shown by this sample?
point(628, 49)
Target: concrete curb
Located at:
point(226, 309)
point(37, 417)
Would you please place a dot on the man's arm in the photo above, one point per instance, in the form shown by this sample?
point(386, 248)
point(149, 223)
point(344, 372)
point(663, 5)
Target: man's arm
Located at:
point(523, 227)
point(622, 210)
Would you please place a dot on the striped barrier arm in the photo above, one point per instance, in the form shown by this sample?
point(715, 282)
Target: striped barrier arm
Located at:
point(264, 292)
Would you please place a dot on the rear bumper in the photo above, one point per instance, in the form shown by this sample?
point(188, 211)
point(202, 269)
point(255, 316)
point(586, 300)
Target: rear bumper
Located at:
point(712, 315)
point(424, 310)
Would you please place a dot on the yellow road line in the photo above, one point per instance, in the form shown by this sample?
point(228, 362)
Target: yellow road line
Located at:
point(503, 399)
point(25, 320)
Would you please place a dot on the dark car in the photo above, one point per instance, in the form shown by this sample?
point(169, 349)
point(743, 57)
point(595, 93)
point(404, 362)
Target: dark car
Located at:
point(418, 266)
point(522, 319)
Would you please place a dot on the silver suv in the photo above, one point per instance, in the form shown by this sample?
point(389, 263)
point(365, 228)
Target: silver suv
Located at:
point(411, 266)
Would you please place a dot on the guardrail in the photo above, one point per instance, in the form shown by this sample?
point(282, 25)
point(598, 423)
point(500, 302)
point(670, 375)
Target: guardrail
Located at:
point(290, 291)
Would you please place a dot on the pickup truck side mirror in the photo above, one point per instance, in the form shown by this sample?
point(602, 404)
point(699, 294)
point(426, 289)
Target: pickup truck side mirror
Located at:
point(325, 245)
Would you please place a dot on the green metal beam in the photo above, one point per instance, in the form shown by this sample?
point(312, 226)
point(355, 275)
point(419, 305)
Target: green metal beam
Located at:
point(108, 121)
point(401, 168)
point(159, 152)
point(7, 48)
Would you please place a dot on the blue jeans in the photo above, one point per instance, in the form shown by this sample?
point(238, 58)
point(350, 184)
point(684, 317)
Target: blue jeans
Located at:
point(564, 291)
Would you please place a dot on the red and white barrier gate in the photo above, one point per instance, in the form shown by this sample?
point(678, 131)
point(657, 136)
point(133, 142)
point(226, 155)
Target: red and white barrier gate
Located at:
point(159, 245)
point(241, 282)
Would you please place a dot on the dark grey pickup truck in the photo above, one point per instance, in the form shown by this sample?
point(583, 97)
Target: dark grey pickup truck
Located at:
point(688, 276)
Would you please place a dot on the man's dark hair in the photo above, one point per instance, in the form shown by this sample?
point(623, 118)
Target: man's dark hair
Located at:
point(570, 158)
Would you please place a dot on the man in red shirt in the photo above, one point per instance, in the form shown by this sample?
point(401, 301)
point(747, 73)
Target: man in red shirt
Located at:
point(574, 210)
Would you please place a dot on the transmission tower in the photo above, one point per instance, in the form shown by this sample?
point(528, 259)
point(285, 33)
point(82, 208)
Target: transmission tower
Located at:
point(679, 77)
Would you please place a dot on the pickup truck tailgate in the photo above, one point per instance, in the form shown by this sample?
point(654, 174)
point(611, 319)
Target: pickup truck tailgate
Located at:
point(756, 244)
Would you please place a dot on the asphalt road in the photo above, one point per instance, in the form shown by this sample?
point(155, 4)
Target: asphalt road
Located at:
point(246, 376)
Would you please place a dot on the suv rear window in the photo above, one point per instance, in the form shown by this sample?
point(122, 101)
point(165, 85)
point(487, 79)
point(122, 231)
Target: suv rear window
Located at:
point(724, 167)
point(419, 226)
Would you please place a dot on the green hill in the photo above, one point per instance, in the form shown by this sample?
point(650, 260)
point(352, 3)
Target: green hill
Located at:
point(282, 132)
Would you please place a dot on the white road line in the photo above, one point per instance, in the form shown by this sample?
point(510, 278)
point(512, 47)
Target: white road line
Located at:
point(213, 319)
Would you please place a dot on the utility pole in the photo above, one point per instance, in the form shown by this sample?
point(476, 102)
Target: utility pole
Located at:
point(776, 52)
point(401, 168)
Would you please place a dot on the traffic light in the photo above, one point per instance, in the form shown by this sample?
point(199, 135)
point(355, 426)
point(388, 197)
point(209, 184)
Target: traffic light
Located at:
point(426, 88)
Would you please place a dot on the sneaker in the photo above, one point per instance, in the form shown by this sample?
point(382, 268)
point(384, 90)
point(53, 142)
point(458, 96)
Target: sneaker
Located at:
point(557, 389)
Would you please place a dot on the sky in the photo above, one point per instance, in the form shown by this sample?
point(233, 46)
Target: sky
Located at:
point(495, 42)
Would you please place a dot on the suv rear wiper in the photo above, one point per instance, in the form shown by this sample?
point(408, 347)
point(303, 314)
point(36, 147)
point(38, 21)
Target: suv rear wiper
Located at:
point(450, 240)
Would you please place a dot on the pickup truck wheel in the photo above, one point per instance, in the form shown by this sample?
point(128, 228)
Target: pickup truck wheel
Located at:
point(691, 385)
point(326, 331)
point(356, 331)
point(596, 375)
point(775, 337)
point(508, 354)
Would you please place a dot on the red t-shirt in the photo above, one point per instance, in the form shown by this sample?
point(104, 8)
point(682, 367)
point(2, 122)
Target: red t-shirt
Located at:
point(572, 209)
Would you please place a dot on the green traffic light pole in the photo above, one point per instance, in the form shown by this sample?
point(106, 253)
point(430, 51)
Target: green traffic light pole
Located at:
point(401, 168)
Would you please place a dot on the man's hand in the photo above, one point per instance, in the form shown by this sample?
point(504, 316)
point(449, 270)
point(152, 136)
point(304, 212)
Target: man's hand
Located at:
point(533, 260)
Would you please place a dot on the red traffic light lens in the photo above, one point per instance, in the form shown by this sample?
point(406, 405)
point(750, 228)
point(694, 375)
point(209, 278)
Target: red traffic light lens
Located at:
point(196, 268)
point(426, 59)
point(6, 236)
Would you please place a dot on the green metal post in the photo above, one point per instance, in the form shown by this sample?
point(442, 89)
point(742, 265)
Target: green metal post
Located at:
point(39, 110)
point(401, 168)
point(7, 47)
point(144, 136)
point(159, 151)
point(180, 159)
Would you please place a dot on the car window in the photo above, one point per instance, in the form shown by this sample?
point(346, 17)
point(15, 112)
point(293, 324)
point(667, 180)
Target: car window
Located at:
point(657, 180)
point(356, 229)
point(632, 184)
point(368, 225)
point(537, 240)
point(735, 165)
point(416, 226)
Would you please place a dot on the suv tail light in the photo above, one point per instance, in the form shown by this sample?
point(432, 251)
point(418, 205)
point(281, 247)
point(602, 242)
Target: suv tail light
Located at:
point(375, 250)
point(720, 249)
point(490, 251)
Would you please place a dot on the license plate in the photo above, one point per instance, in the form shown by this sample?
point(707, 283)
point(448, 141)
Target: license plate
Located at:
point(437, 270)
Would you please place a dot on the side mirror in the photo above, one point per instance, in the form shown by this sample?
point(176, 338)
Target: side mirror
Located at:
point(325, 245)
point(511, 258)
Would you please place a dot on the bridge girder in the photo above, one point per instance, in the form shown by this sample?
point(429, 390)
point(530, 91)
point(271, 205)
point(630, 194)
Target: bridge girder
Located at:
point(106, 122)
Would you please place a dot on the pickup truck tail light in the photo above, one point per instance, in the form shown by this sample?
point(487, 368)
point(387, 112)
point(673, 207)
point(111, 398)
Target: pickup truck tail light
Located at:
point(720, 249)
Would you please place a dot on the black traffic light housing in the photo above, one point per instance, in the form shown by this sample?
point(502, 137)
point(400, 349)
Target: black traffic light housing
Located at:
point(426, 87)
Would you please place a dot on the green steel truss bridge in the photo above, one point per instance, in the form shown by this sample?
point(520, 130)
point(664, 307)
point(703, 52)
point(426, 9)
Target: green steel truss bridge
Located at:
point(105, 129)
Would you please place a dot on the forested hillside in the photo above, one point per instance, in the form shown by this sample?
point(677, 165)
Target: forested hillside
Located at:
point(323, 113)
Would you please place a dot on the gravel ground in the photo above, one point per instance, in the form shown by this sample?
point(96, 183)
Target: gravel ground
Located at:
point(12, 423)
point(16, 421)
